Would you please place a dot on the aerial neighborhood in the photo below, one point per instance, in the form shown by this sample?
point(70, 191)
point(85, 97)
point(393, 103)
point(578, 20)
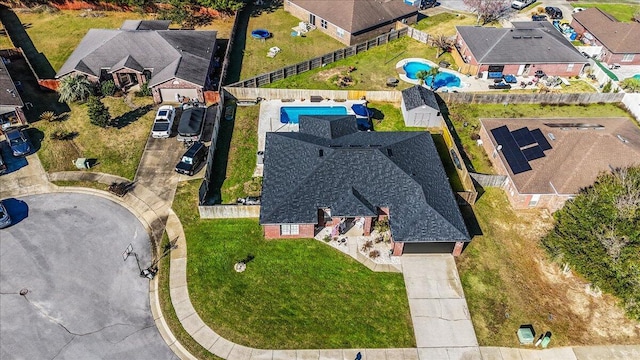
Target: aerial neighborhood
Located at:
point(320, 179)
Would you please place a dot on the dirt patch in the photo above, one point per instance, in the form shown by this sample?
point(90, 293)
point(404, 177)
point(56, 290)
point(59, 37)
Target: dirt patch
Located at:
point(325, 75)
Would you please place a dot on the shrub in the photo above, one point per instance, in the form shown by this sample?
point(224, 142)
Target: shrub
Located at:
point(381, 226)
point(326, 238)
point(374, 254)
point(607, 87)
point(98, 113)
point(48, 116)
point(108, 88)
point(145, 90)
point(368, 245)
point(631, 85)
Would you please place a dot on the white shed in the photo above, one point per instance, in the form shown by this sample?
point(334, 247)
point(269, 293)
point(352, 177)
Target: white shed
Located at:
point(420, 107)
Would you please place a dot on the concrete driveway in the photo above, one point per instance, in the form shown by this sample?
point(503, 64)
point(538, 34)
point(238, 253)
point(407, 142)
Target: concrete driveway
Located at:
point(83, 300)
point(441, 319)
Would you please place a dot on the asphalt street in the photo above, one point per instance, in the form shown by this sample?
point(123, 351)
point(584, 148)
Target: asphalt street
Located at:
point(82, 300)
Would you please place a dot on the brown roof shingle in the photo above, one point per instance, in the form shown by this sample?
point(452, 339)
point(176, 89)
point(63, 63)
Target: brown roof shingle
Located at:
point(577, 155)
point(618, 37)
point(357, 15)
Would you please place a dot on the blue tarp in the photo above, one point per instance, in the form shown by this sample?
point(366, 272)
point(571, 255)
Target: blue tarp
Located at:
point(360, 110)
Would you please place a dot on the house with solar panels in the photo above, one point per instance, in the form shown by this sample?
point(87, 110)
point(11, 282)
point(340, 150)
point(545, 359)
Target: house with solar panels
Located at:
point(548, 161)
point(330, 173)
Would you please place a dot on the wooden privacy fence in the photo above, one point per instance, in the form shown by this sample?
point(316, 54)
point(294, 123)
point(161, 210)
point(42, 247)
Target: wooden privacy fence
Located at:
point(285, 72)
point(486, 180)
point(463, 173)
point(418, 35)
point(463, 67)
point(229, 211)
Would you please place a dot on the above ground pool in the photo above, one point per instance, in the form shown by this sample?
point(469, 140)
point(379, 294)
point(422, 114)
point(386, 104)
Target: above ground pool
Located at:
point(443, 79)
point(260, 34)
point(290, 114)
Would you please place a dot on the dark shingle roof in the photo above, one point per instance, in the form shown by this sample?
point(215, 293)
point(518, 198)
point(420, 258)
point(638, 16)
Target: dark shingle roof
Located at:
point(9, 97)
point(145, 25)
point(418, 96)
point(183, 54)
point(355, 172)
point(527, 42)
point(616, 36)
point(357, 15)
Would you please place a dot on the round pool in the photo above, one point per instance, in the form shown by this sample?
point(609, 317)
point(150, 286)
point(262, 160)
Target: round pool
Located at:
point(411, 67)
point(260, 34)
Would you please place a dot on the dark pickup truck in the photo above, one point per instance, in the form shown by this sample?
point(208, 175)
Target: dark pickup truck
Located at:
point(192, 122)
point(501, 86)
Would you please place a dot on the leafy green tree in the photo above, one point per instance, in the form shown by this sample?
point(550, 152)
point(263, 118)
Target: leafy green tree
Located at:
point(631, 85)
point(108, 88)
point(432, 73)
point(598, 233)
point(607, 87)
point(98, 113)
point(74, 88)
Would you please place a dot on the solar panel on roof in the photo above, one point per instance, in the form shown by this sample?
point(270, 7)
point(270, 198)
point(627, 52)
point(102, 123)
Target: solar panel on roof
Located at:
point(510, 149)
point(523, 137)
point(541, 140)
point(532, 153)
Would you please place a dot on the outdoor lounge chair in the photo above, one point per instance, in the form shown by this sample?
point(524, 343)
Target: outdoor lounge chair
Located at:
point(273, 52)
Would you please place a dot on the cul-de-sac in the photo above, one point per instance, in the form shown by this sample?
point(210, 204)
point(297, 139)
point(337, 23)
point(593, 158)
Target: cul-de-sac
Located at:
point(320, 179)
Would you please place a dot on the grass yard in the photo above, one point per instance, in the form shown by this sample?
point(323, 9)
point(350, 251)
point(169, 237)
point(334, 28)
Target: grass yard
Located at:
point(295, 294)
point(508, 281)
point(622, 12)
point(118, 149)
point(459, 114)
point(85, 184)
point(373, 67)
point(444, 23)
point(294, 48)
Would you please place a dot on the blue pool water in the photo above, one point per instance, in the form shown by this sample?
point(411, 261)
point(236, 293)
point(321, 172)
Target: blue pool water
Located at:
point(290, 114)
point(636, 76)
point(443, 79)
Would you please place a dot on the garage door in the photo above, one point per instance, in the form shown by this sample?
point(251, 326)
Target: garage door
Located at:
point(169, 95)
point(428, 248)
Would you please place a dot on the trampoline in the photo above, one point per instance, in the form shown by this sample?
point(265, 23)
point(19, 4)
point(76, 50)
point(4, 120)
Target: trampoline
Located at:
point(260, 34)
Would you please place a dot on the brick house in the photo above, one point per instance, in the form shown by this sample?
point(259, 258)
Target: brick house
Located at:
point(522, 50)
point(330, 173)
point(11, 113)
point(173, 62)
point(620, 41)
point(352, 21)
point(547, 161)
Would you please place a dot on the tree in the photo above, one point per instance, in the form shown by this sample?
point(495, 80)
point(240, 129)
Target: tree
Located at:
point(74, 88)
point(488, 11)
point(98, 113)
point(443, 43)
point(631, 85)
point(421, 75)
point(598, 234)
point(433, 73)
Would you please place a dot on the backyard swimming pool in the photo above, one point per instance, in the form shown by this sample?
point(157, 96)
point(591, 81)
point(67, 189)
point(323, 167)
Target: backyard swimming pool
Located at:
point(290, 114)
point(636, 76)
point(411, 68)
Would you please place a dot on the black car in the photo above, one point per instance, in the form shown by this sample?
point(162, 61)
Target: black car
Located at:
point(538, 17)
point(192, 159)
point(3, 166)
point(553, 12)
point(18, 142)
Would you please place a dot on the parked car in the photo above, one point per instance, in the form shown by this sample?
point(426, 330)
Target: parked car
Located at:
point(163, 122)
point(500, 86)
point(192, 122)
point(553, 12)
point(540, 74)
point(5, 219)
point(18, 142)
point(192, 159)
point(249, 200)
point(538, 17)
point(3, 166)
point(521, 4)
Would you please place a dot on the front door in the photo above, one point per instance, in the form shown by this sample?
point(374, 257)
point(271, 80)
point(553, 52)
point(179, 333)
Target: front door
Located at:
point(312, 19)
point(525, 71)
point(521, 70)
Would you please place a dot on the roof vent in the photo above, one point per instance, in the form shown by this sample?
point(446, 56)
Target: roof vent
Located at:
point(622, 139)
point(517, 37)
point(551, 136)
point(320, 153)
point(389, 152)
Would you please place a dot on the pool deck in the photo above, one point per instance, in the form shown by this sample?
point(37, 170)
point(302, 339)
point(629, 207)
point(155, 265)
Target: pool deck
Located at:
point(269, 118)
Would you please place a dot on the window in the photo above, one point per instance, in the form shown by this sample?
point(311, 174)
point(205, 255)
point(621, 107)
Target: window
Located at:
point(570, 67)
point(534, 200)
point(628, 57)
point(340, 32)
point(323, 23)
point(289, 229)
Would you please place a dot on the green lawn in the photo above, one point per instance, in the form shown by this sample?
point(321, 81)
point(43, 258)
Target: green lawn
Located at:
point(622, 12)
point(118, 150)
point(459, 114)
point(373, 67)
point(294, 294)
point(444, 23)
point(294, 49)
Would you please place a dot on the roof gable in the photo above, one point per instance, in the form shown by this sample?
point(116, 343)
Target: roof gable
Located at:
point(527, 42)
point(616, 36)
point(418, 96)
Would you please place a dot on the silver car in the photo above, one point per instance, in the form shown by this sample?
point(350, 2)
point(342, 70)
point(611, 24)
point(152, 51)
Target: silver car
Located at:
point(5, 219)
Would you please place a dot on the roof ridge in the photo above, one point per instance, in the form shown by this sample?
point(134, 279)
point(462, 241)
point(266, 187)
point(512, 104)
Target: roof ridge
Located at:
point(488, 51)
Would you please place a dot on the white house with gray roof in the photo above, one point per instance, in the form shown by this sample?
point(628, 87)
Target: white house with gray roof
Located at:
point(420, 107)
point(173, 62)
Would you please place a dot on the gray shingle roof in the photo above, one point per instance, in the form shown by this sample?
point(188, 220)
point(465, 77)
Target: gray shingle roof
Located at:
point(527, 42)
point(145, 25)
point(355, 172)
point(168, 54)
point(418, 96)
point(357, 15)
point(9, 96)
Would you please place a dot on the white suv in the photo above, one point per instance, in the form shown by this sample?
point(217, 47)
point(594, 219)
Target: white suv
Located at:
point(521, 4)
point(163, 122)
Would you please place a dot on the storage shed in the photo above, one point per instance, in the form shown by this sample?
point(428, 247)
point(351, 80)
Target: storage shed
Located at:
point(420, 107)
